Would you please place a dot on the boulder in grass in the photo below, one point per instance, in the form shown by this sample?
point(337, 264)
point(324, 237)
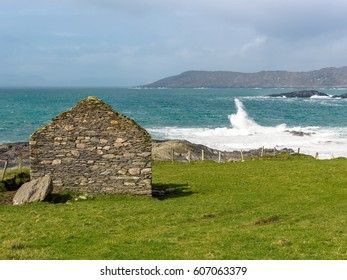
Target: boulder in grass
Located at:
point(34, 191)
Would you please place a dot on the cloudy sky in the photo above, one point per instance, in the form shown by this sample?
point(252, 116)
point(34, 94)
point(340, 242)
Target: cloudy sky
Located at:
point(134, 42)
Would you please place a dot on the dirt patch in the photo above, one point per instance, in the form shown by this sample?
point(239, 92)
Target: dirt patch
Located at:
point(269, 220)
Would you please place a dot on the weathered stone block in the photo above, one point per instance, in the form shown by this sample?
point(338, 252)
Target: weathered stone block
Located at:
point(128, 155)
point(46, 162)
point(146, 171)
point(75, 153)
point(69, 127)
point(134, 171)
point(122, 172)
point(33, 191)
point(145, 154)
point(56, 161)
point(103, 141)
point(107, 172)
point(109, 156)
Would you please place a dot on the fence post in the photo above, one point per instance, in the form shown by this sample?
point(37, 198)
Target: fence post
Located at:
point(202, 155)
point(20, 163)
point(316, 156)
point(189, 156)
point(298, 151)
point(4, 171)
point(262, 151)
point(172, 156)
point(219, 157)
point(274, 151)
point(241, 152)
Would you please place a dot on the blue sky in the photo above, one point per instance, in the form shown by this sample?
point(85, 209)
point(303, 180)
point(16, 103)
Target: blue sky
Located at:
point(134, 42)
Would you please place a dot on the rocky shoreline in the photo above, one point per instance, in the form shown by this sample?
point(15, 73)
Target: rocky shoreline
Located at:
point(13, 152)
point(162, 150)
point(184, 151)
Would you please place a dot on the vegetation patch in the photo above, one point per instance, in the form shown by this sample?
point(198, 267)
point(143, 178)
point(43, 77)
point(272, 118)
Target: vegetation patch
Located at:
point(14, 179)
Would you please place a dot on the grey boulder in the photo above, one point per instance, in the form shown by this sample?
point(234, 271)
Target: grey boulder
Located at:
point(34, 191)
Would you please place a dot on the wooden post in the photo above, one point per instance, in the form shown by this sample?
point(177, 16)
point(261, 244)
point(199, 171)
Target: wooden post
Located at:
point(316, 156)
point(241, 152)
point(202, 155)
point(4, 171)
point(262, 151)
point(219, 157)
point(20, 163)
point(298, 151)
point(189, 156)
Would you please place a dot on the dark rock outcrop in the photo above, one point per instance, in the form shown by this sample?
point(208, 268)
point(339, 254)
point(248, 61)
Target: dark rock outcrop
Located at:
point(340, 96)
point(299, 133)
point(300, 94)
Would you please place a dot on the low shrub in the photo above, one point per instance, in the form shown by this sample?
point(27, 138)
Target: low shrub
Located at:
point(13, 182)
point(2, 187)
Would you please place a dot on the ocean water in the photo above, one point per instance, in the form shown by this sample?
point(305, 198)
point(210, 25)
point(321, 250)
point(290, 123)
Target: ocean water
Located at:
point(226, 119)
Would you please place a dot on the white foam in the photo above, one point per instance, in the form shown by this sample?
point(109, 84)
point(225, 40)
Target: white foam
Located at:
point(320, 97)
point(246, 134)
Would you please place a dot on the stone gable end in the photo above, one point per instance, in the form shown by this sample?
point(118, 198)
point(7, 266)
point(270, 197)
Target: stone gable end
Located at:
point(91, 148)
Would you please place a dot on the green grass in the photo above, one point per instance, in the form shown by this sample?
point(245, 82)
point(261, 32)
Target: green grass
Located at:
point(285, 208)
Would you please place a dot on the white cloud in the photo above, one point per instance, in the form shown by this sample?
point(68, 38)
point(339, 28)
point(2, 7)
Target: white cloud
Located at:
point(258, 41)
point(149, 39)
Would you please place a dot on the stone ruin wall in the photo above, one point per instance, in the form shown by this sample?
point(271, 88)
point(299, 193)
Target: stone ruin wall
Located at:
point(93, 149)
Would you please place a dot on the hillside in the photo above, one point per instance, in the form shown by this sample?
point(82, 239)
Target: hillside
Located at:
point(326, 77)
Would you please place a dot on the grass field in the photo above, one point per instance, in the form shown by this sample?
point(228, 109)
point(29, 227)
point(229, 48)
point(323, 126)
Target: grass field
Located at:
point(292, 208)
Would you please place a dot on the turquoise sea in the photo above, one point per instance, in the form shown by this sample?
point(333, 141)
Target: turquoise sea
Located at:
point(227, 119)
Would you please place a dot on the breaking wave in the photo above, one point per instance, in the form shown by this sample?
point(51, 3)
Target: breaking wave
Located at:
point(245, 133)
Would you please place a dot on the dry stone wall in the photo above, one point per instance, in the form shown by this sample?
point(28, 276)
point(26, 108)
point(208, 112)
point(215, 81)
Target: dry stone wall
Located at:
point(93, 149)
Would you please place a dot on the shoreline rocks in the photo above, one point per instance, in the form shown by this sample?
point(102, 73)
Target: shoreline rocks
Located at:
point(181, 150)
point(300, 94)
point(12, 152)
point(342, 96)
point(306, 94)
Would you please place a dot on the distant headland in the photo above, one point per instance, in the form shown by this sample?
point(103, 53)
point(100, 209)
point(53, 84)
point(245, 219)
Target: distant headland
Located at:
point(324, 78)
